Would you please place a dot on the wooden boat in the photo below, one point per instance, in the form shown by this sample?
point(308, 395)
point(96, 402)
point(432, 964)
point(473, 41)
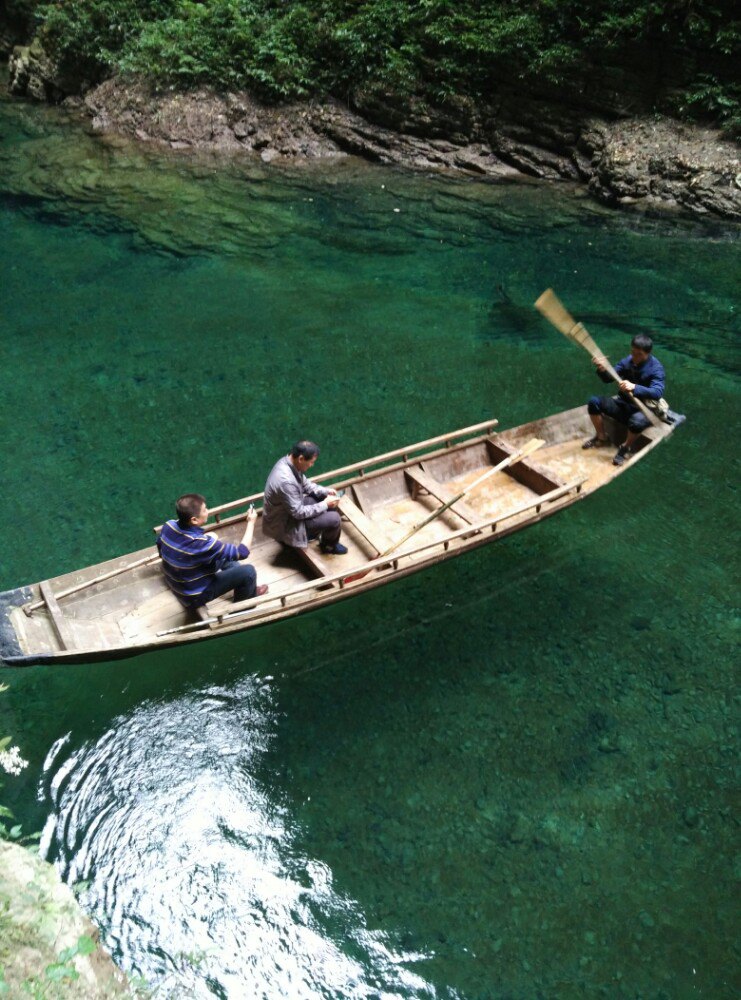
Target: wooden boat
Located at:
point(123, 607)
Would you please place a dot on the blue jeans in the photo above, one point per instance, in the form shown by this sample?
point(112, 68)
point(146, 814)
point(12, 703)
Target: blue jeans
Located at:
point(239, 577)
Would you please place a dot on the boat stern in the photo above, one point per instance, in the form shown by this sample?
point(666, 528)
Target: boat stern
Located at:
point(11, 654)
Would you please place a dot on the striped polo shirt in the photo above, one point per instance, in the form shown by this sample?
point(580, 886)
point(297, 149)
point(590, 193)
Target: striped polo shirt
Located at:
point(191, 558)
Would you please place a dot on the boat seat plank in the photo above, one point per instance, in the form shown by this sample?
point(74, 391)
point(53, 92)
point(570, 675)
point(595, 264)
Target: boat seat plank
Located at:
point(422, 480)
point(312, 557)
point(60, 624)
point(536, 477)
point(373, 533)
point(360, 498)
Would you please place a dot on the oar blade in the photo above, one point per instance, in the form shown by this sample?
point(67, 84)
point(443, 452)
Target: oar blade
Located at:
point(581, 336)
point(550, 306)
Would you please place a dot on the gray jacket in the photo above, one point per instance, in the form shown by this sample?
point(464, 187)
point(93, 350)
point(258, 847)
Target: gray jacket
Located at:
point(290, 500)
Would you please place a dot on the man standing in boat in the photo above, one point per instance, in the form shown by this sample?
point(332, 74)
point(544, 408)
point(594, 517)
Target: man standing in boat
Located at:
point(296, 509)
point(197, 565)
point(642, 377)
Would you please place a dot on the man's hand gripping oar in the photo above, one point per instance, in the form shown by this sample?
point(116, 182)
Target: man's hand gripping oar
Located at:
point(550, 306)
point(527, 449)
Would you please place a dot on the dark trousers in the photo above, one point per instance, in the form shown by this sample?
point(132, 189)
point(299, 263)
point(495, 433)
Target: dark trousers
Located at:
point(328, 525)
point(239, 577)
point(619, 409)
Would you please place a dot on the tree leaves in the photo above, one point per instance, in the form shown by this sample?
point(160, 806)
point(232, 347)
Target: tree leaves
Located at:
point(432, 49)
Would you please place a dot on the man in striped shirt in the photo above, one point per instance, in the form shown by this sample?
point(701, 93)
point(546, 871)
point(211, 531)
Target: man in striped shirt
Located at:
point(197, 565)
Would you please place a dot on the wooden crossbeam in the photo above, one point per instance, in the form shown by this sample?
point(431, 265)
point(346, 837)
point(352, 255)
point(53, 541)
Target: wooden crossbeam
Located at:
point(371, 532)
point(61, 625)
point(313, 558)
point(423, 480)
point(529, 473)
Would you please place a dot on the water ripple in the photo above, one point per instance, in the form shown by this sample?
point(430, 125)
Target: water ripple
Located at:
point(189, 864)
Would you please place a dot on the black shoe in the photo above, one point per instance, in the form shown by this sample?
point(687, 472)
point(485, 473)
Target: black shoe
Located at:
point(595, 442)
point(334, 550)
point(623, 452)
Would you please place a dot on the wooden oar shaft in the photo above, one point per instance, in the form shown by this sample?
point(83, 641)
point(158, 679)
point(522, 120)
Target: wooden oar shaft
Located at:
point(29, 608)
point(421, 524)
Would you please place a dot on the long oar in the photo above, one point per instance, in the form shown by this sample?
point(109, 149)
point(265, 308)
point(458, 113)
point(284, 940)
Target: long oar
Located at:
point(550, 306)
point(527, 449)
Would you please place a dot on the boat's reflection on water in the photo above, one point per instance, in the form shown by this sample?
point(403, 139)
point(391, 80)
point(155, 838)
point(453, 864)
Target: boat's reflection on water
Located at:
point(190, 864)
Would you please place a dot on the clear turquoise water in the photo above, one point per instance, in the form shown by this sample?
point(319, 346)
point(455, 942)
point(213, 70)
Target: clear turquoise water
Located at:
point(509, 777)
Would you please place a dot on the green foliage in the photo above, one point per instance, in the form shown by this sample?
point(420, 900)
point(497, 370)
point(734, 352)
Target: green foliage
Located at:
point(87, 36)
point(51, 984)
point(12, 763)
point(225, 43)
point(433, 49)
point(709, 98)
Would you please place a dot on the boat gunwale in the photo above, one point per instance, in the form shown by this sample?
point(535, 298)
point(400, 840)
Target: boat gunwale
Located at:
point(364, 476)
point(406, 450)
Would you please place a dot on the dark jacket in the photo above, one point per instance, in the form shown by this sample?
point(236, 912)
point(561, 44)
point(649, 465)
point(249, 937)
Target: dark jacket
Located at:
point(648, 377)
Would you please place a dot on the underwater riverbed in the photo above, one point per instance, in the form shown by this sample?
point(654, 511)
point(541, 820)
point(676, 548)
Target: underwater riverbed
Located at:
point(511, 776)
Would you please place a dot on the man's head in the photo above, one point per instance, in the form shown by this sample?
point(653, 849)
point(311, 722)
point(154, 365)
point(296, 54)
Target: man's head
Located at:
point(304, 454)
point(191, 510)
point(640, 347)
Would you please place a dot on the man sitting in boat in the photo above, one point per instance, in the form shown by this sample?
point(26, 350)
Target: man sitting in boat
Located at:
point(642, 375)
point(197, 565)
point(296, 509)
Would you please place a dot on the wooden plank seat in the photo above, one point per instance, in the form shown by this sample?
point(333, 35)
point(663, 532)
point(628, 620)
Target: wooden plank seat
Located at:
point(422, 480)
point(373, 533)
point(536, 477)
point(60, 624)
point(312, 557)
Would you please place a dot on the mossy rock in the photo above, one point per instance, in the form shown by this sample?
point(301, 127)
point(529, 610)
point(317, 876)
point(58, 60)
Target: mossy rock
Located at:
point(48, 947)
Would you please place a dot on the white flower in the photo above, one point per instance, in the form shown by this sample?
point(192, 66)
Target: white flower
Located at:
point(11, 761)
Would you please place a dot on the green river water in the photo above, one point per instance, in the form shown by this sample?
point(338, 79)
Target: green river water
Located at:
point(509, 777)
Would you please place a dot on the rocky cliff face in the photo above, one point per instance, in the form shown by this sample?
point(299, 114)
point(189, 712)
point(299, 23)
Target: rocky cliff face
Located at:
point(648, 160)
point(31, 73)
point(604, 139)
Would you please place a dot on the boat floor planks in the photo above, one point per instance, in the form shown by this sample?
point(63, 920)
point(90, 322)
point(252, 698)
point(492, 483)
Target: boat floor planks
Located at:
point(123, 607)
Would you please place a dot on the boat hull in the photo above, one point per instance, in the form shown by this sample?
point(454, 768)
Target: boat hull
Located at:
point(123, 608)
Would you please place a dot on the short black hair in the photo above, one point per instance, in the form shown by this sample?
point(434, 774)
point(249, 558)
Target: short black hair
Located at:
point(643, 342)
point(305, 449)
point(189, 505)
